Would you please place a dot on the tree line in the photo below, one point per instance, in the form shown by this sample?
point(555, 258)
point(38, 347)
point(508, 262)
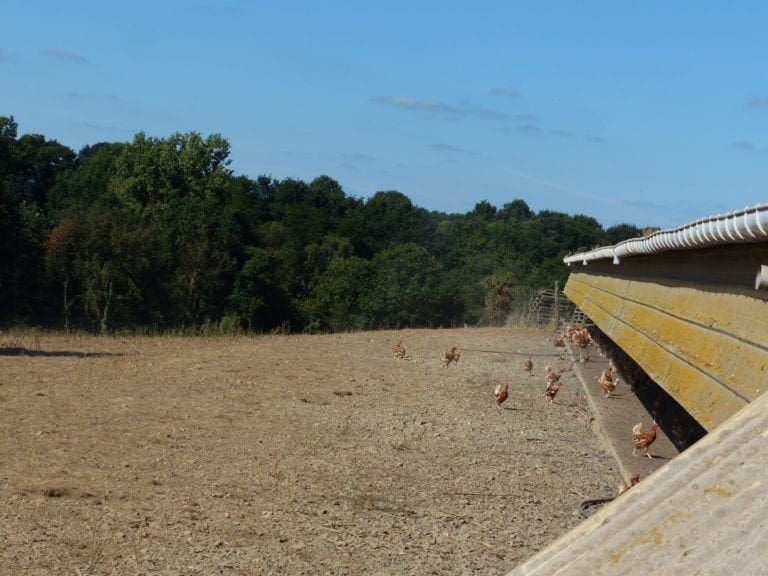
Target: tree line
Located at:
point(160, 234)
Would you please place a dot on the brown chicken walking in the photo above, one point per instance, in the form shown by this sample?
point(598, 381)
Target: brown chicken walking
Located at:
point(643, 440)
point(501, 394)
point(528, 366)
point(552, 389)
point(451, 355)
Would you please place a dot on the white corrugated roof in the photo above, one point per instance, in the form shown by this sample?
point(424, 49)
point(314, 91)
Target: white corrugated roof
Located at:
point(748, 225)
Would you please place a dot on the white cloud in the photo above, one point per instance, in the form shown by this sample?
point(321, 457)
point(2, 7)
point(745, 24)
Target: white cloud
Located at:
point(439, 107)
point(509, 92)
point(65, 55)
point(757, 103)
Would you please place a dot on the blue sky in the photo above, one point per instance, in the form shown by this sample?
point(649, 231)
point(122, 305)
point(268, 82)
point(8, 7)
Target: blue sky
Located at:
point(653, 113)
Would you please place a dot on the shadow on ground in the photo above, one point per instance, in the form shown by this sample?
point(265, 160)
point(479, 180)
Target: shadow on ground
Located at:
point(21, 351)
point(673, 419)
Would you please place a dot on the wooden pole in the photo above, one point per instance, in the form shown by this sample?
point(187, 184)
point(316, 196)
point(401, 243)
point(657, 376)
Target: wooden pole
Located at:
point(557, 304)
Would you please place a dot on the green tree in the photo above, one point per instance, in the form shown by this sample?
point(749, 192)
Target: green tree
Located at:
point(319, 255)
point(386, 218)
point(38, 163)
point(257, 297)
point(86, 182)
point(484, 210)
point(61, 253)
point(113, 260)
point(28, 166)
point(404, 283)
point(199, 242)
point(152, 172)
point(515, 211)
point(159, 231)
point(336, 303)
point(619, 232)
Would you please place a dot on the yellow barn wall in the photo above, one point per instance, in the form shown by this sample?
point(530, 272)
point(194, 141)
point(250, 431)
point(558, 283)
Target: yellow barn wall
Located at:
point(705, 348)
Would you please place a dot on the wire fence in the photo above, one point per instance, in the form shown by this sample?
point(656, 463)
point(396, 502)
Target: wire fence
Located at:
point(549, 306)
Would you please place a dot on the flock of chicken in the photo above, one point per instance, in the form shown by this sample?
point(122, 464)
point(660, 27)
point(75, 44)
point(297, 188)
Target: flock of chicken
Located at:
point(451, 355)
point(582, 340)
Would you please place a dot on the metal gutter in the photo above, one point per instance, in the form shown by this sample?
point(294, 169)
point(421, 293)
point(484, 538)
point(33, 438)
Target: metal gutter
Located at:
point(743, 226)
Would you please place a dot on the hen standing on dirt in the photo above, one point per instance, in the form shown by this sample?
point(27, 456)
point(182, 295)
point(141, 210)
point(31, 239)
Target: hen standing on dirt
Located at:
point(451, 355)
point(501, 394)
point(528, 366)
point(552, 377)
point(552, 389)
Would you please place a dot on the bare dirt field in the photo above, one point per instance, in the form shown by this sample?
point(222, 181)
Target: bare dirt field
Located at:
point(287, 454)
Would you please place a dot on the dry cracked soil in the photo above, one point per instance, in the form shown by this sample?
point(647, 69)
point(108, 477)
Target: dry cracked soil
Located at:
point(287, 454)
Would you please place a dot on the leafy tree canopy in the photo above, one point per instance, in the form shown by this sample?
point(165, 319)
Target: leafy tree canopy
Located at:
point(159, 232)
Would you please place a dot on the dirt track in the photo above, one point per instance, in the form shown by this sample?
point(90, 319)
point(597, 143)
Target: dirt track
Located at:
point(286, 455)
